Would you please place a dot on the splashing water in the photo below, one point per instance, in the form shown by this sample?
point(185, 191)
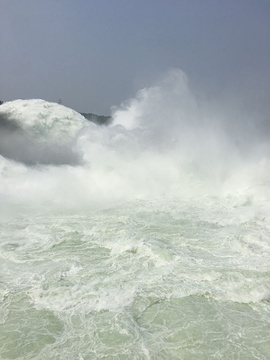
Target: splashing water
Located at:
point(146, 239)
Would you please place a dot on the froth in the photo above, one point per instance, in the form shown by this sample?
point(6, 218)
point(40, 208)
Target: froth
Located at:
point(164, 142)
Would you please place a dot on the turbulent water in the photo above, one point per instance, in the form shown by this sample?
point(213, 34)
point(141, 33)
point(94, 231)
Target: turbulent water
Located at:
point(147, 239)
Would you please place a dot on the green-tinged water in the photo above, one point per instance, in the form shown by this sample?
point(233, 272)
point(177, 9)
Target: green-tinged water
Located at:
point(164, 279)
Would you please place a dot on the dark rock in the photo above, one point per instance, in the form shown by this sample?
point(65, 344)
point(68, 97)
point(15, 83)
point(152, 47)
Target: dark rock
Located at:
point(97, 119)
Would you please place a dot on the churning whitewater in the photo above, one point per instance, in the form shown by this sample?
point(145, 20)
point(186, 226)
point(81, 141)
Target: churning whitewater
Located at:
point(144, 239)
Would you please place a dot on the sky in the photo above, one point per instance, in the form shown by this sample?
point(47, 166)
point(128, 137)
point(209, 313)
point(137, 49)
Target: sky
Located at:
point(94, 54)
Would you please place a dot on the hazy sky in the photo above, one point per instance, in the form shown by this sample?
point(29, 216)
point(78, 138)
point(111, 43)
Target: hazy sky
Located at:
point(96, 53)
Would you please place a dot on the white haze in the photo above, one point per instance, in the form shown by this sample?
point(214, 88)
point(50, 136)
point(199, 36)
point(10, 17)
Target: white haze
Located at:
point(162, 143)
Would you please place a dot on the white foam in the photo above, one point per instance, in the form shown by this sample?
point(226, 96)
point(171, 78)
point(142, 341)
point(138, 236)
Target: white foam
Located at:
point(161, 143)
point(44, 120)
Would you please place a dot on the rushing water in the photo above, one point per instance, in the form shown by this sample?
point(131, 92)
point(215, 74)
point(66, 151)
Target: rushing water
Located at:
point(148, 239)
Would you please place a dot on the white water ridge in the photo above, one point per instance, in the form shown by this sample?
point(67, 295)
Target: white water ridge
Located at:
point(146, 239)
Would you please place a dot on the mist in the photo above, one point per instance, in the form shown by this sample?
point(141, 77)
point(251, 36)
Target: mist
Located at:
point(165, 141)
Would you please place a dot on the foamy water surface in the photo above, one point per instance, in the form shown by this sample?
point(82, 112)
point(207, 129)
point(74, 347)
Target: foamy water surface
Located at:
point(147, 239)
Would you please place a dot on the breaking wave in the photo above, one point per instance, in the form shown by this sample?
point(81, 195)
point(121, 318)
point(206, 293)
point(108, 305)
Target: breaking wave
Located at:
point(164, 142)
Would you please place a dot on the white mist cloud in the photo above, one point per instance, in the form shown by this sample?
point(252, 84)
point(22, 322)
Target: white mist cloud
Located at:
point(177, 146)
